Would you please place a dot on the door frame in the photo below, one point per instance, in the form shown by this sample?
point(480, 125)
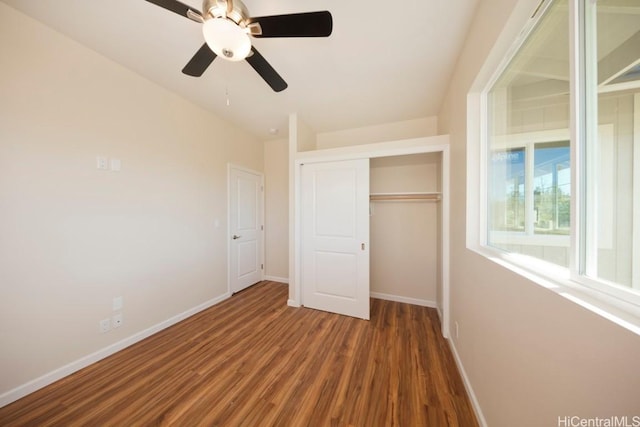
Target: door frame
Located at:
point(435, 144)
point(231, 167)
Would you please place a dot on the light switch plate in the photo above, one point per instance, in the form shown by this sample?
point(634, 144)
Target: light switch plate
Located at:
point(102, 163)
point(116, 165)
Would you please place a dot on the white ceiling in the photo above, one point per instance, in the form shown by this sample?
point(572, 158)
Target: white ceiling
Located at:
point(385, 61)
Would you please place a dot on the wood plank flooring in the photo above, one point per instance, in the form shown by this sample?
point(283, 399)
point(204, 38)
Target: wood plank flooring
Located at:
point(253, 361)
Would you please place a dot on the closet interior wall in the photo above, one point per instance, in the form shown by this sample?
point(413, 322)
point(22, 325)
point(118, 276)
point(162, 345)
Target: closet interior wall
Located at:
point(405, 234)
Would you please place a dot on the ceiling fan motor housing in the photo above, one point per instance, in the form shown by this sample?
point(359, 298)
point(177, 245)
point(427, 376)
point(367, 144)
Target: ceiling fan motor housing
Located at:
point(225, 29)
point(233, 10)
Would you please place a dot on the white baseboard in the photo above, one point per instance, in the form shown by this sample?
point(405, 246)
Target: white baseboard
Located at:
point(293, 303)
point(277, 279)
point(467, 385)
point(406, 300)
point(57, 374)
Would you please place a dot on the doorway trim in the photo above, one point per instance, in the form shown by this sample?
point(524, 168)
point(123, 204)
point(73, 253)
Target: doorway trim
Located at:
point(231, 167)
point(435, 144)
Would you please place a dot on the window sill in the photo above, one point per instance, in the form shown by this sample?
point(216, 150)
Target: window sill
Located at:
point(558, 280)
point(517, 238)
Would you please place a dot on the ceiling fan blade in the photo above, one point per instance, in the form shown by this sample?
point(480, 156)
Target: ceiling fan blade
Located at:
point(266, 71)
point(309, 24)
point(179, 8)
point(200, 62)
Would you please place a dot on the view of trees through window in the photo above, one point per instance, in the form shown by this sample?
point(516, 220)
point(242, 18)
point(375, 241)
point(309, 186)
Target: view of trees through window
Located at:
point(508, 190)
point(550, 189)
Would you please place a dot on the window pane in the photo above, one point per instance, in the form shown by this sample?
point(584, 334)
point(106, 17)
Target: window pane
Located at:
point(507, 190)
point(529, 175)
point(613, 144)
point(552, 188)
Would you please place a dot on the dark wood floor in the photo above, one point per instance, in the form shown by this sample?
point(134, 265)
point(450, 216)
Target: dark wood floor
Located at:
point(253, 361)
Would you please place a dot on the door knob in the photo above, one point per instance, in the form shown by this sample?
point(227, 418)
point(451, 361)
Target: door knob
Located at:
point(235, 237)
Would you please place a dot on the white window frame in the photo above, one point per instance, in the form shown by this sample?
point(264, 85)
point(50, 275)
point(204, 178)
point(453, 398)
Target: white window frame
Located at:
point(528, 140)
point(636, 191)
point(612, 301)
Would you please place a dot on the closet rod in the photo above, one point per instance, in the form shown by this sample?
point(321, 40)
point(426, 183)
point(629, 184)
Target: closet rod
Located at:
point(404, 197)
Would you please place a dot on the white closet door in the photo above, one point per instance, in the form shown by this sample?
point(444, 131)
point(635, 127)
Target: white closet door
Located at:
point(335, 237)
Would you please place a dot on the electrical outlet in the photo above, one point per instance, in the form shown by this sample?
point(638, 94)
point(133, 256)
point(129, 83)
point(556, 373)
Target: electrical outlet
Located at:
point(116, 320)
point(105, 325)
point(457, 329)
point(117, 304)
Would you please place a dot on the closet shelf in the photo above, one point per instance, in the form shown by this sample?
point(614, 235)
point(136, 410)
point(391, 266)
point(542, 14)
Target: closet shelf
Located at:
point(404, 197)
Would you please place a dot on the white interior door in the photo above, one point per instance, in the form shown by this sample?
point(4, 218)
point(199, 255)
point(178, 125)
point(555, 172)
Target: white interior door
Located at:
point(245, 228)
point(335, 237)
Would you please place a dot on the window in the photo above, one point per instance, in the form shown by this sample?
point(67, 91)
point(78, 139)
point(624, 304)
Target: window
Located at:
point(530, 201)
point(529, 170)
point(612, 43)
point(552, 188)
point(563, 190)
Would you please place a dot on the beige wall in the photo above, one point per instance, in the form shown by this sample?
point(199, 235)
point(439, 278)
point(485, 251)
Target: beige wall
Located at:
point(276, 170)
point(73, 237)
point(426, 126)
point(405, 234)
point(303, 138)
point(530, 355)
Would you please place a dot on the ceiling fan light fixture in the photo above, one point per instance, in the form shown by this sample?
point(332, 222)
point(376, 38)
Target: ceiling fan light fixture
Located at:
point(227, 39)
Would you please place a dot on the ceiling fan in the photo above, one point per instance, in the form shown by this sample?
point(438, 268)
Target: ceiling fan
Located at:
point(226, 26)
